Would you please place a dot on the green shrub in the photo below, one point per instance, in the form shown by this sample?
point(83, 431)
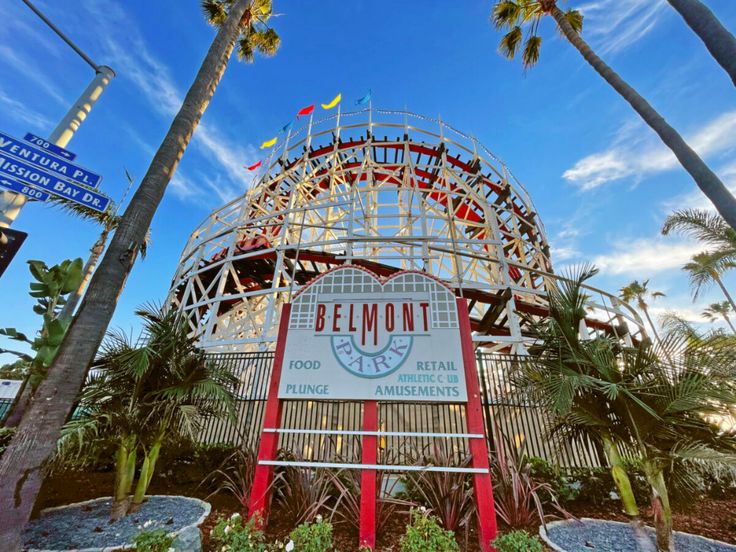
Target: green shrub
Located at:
point(424, 534)
point(312, 537)
point(518, 541)
point(153, 541)
point(235, 535)
point(564, 487)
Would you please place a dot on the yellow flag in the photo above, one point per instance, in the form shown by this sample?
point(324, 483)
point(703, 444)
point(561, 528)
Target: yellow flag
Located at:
point(333, 103)
point(269, 143)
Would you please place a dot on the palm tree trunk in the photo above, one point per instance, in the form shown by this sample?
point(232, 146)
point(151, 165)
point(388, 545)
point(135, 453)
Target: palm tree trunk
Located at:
point(620, 478)
point(144, 479)
point(705, 178)
point(21, 466)
point(660, 506)
point(725, 291)
point(124, 474)
point(68, 311)
point(719, 41)
point(730, 324)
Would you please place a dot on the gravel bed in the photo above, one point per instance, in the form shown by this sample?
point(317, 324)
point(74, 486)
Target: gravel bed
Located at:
point(592, 535)
point(86, 525)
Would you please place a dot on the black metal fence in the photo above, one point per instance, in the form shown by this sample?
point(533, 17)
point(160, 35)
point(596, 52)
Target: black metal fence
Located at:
point(511, 421)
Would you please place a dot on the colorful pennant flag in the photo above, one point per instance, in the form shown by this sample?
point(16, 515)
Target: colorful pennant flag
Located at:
point(333, 103)
point(305, 110)
point(364, 100)
point(254, 167)
point(287, 126)
point(269, 143)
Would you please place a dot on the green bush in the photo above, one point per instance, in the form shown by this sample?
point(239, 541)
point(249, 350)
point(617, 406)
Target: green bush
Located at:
point(153, 541)
point(564, 487)
point(424, 534)
point(312, 537)
point(235, 535)
point(518, 541)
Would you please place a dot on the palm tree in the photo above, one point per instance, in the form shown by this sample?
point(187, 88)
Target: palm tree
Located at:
point(705, 269)
point(21, 467)
point(563, 377)
point(629, 398)
point(514, 14)
point(641, 293)
point(719, 41)
point(144, 394)
point(706, 227)
point(714, 311)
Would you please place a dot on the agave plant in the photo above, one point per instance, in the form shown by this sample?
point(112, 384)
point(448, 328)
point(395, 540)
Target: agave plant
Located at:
point(142, 395)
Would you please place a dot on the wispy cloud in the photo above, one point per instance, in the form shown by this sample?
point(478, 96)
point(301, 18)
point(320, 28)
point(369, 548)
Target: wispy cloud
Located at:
point(636, 152)
point(645, 257)
point(31, 71)
point(128, 52)
point(613, 25)
point(19, 111)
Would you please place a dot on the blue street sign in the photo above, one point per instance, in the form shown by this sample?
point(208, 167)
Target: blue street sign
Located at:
point(47, 161)
point(9, 167)
point(53, 148)
point(25, 189)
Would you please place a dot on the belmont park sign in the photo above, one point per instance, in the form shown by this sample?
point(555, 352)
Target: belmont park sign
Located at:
point(353, 336)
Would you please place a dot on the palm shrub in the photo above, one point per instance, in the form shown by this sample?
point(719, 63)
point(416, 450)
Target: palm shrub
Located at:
point(302, 493)
point(656, 401)
point(143, 395)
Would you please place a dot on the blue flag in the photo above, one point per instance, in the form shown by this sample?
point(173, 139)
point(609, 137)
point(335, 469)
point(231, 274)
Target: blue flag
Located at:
point(364, 100)
point(287, 126)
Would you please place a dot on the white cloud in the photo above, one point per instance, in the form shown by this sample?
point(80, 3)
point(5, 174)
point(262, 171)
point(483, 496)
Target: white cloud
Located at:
point(128, 52)
point(21, 112)
point(644, 257)
point(613, 25)
point(636, 152)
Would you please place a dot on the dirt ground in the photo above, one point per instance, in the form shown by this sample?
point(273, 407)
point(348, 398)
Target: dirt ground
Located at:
point(711, 518)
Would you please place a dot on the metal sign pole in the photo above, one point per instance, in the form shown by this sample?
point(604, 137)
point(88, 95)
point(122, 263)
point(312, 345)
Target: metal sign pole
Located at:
point(12, 203)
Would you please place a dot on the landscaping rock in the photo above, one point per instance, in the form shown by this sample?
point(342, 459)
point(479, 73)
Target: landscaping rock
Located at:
point(189, 539)
point(588, 535)
point(85, 527)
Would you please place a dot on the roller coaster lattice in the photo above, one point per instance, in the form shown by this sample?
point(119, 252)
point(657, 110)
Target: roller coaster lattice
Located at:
point(389, 191)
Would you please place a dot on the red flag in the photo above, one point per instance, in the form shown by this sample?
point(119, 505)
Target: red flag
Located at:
point(305, 110)
point(254, 167)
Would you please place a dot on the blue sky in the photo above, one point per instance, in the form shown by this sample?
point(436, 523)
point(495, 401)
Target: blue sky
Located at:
point(599, 178)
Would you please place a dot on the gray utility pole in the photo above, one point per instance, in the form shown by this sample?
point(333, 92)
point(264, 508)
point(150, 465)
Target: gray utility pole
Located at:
point(10, 202)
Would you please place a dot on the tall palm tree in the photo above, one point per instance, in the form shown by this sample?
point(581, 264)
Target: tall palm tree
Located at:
point(641, 293)
point(719, 41)
point(21, 466)
point(706, 227)
point(705, 269)
point(515, 14)
point(714, 311)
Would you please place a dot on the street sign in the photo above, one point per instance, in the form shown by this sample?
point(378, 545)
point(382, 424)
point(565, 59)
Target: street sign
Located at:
point(47, 161)
point(25, 189)
point(53, 148)
point(9, 167)
point(10, 242)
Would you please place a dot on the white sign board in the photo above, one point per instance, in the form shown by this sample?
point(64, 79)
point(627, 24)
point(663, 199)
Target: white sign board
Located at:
point(353, 336)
